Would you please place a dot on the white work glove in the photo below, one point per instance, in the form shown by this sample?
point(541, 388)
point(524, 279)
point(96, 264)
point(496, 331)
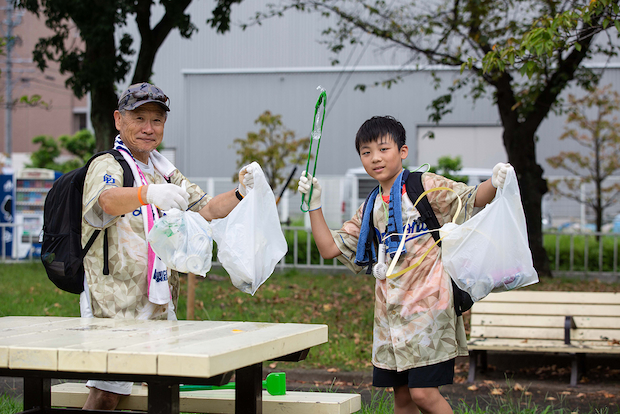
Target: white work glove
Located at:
point(167, 196)
point(246, 180)
point(304, 187)
point(499, 174)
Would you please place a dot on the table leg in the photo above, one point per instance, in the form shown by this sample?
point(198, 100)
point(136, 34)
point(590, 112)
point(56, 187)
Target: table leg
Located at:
point(249, 389)
point(163, 398)
point(37, 392)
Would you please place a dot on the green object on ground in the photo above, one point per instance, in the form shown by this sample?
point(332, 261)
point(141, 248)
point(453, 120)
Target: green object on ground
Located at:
point(275, 383)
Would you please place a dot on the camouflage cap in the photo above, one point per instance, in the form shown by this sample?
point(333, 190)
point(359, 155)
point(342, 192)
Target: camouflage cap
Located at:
point(141, 93)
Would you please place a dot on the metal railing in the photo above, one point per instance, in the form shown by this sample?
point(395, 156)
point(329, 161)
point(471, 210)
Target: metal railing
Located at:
point(593, 254)
point(582, 254)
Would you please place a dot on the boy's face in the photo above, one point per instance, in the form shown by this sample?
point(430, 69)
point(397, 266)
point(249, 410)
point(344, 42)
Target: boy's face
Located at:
point(382, 160)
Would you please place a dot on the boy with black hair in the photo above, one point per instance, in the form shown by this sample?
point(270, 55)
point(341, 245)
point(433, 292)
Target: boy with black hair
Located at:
point(416, 334)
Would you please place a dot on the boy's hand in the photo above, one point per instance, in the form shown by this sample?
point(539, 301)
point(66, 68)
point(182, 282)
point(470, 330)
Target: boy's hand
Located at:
point(246, 180)
point(304, 187)
point(499, 174)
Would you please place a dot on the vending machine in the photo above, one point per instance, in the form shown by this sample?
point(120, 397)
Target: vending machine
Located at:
point(31, 187)
point(7, 214)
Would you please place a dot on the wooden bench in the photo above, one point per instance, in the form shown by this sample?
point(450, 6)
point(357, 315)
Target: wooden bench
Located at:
point(73, 395)
point(577, 323)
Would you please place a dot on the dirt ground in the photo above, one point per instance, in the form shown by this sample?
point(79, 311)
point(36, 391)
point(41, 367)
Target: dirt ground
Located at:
point(542, 380)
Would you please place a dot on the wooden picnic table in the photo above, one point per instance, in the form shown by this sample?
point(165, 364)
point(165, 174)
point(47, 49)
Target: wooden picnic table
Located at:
point(163, 354)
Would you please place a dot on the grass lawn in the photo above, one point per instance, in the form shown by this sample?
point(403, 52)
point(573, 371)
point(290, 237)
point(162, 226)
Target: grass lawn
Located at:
point(343, 301)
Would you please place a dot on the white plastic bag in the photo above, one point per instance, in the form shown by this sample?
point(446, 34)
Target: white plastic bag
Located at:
point(183, 240)
point(490, 251)
point(249, 240)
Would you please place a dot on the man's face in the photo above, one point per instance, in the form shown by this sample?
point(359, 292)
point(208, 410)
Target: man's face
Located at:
point(142, 129)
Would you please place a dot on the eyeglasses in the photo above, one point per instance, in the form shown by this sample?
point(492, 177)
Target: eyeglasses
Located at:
point(144, 95)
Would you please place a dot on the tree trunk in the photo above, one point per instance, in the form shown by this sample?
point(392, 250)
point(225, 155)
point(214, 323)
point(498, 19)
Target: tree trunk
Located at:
point(103, 101)
point(522, 156)
point(101, 72)
point(520, 144)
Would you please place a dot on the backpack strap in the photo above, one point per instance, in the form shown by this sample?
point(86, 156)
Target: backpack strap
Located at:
point(414, 186)
point(127, 174)
point(414, 189)
point(127, 182)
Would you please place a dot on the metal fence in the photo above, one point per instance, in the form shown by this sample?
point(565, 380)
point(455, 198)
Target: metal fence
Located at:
point(571, 254)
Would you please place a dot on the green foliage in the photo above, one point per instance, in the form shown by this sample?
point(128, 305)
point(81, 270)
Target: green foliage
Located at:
point(9, 405)
point(101, 59)
point(33, 100)
point(81, 145)
point(599, 139)
point(554, 32)
point(274, 147)
point(585, 252)
point(446, 166)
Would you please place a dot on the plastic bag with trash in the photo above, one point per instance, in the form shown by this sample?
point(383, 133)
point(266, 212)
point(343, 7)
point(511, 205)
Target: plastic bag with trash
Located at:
point(183, 240)
point(250, 242)
point(490, 251)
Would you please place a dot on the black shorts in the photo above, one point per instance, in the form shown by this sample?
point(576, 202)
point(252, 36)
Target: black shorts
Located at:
point(423, 377)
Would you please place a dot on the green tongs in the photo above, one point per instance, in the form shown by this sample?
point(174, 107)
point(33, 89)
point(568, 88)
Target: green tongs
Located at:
point(315, 135)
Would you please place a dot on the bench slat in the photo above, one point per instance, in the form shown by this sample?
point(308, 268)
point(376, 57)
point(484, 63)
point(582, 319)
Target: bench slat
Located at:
point(221, 401)
point(541, 346)
point(516, 332)
point(596, 298)
point(560, 309)
point(542, 321)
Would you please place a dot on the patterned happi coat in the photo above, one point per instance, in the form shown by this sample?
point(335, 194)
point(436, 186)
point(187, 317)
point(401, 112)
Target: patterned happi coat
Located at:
point(123, 293)
point(415, 324)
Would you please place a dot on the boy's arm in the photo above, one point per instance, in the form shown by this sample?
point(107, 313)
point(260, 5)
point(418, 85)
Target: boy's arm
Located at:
point(486, 190)
point(322, 235)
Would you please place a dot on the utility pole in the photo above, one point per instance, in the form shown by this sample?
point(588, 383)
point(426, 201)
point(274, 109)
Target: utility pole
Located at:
point(8, 116)
point(10, 42)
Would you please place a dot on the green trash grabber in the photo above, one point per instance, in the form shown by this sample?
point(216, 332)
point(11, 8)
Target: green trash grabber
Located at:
point(275, 383)
point(315, 135)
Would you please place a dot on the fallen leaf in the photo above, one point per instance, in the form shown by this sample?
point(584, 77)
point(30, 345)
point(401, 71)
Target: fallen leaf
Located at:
point(550, 399)
point(527, 393)
point(581, 395)
point(472, 388)
point(273, 365)
point(518, 387)
point(497, 391)
point(327, 307)
point(332, 370)
point(565, 393)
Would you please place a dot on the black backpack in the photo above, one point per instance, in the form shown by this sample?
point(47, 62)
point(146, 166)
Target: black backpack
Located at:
point(61, 251)
point(413, 184)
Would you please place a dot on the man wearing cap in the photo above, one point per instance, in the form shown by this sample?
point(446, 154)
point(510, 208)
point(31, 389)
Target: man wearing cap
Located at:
point(133, 283)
